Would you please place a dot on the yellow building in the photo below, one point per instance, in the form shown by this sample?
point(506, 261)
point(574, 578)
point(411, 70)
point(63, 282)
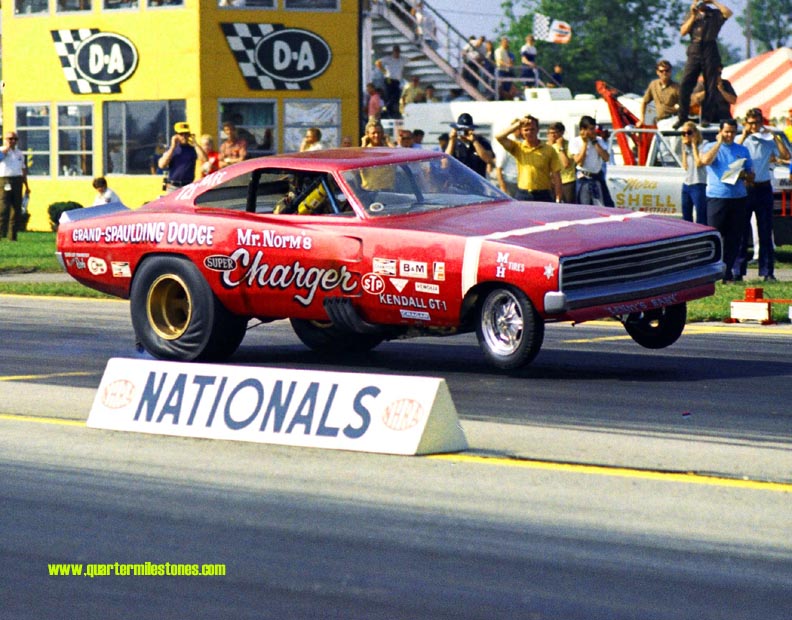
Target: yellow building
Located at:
point(94, 87)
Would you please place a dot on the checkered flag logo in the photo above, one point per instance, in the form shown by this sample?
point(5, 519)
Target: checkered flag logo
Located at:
point(243, 39)
point(67, 42)
point(541, 27)
point(553, 31)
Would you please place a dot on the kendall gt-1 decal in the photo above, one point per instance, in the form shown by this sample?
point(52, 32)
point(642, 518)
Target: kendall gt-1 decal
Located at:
point(350, 411)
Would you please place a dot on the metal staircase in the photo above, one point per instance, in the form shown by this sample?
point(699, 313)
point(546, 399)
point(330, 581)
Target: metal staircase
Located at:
point(438, 62)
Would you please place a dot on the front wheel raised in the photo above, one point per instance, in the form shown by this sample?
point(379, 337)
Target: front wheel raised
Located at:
point(659, 328)
point(176, 316)
point(509, 330)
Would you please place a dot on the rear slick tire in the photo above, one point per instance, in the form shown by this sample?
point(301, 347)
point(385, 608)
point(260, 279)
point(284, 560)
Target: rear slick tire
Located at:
point(176, 316)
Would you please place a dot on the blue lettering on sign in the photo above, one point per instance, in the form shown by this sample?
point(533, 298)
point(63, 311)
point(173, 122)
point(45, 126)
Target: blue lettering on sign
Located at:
point(236, 425)
point(245, 401)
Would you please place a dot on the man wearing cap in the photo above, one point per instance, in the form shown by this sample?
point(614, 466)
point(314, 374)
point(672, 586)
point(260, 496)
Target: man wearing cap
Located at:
point(181, 157)
point(468, 147)
point(538, 164)
point(13, 176)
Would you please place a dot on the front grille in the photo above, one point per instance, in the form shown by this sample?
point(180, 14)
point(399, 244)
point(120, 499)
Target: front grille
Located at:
point(637, 262)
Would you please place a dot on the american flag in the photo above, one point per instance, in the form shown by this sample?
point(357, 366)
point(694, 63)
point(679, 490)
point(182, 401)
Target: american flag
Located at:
point(554, 31)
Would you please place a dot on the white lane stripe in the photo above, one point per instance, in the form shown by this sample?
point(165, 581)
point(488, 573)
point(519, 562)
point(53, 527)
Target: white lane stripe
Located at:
point(472, 254)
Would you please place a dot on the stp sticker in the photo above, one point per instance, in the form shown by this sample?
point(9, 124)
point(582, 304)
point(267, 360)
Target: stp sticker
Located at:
point(372, 283)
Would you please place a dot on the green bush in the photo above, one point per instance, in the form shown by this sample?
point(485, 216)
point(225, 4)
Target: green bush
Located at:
point(56, 208)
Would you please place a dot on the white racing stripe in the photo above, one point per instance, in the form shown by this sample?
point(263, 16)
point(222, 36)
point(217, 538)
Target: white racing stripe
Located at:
point(470, 260)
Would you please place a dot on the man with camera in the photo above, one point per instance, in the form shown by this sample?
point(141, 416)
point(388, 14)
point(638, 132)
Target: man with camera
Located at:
point(590, 152)
point(471, 149)
point(181, 157)
point(703, 23)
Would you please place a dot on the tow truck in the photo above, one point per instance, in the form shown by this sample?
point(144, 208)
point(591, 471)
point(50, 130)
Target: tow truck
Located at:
point(645, 172)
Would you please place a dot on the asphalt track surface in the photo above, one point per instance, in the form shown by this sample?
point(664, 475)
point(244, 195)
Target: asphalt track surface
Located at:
point(605, 481)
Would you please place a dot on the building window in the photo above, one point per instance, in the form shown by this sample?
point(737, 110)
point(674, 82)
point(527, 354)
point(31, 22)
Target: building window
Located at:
point(28, 7)
point(75, 140)
point(155, 4)
point(136, 133)
point(300, 114)
point(67, 6)
point(311, 5)
point(246, 4)
point(33, 129)
point(254, 121)
point(111, 5)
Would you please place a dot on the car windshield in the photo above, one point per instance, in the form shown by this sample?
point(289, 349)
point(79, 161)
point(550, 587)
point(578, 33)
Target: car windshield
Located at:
point(416, 186)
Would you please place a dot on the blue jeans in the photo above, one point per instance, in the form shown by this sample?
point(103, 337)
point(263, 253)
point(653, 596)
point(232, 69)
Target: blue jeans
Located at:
point(694, 195)
point(589, 191)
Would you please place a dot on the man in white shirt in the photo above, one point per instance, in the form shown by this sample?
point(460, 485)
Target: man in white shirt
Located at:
point(13, 176)
point(392, 68)
point(589, 152)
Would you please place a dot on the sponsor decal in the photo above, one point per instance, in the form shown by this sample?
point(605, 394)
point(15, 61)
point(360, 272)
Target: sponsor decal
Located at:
point(218, 262)
point(631, 307)
point(97, 266)
point(75, 259)
point(274, 57)
point(426, 287)
point(95, 61)
point(504, 264)
point(384, 266)
point(189, 191)
point(407, 301)
point(120, 269)
point(372, 283)
point(149, 232)
point(118, 394)
point(403, 414)
point(253, 270)
point(412, 314)
point(438, 271)
point(287, 406)
point(398, 283)
point(549, 271)
point(413, 269)
point(273, 239)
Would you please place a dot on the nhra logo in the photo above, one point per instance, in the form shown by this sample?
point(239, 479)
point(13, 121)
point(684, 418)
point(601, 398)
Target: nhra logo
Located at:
point(93, 61)
point(272, 57)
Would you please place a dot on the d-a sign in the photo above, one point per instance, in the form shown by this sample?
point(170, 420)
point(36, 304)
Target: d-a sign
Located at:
point(345, 411)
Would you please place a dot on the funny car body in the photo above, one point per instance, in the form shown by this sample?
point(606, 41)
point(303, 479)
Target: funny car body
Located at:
point(357, 246)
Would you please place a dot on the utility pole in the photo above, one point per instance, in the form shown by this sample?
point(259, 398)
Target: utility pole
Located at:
point(748, 33)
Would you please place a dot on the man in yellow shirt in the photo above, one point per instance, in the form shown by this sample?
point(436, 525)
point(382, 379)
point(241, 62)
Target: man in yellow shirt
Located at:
point(538, 164)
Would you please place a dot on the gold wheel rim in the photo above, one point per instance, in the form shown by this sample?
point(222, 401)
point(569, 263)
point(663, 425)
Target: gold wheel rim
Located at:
point(169, 306)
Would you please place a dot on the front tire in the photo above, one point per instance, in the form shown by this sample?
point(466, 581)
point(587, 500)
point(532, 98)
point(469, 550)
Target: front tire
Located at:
point(509, 330)
point(659, 328)
point(324, 337)
point(176, 316)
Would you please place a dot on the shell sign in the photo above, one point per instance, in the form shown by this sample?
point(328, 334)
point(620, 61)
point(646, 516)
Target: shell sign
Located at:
point(273, 57)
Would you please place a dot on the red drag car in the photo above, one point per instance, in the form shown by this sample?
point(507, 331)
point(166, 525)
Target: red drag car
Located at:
point(357, 246)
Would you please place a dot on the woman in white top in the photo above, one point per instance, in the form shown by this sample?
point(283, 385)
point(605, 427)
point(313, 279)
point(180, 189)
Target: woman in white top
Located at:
point(694, 187)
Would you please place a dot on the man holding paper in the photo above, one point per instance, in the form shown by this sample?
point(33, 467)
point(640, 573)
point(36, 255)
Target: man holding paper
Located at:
point(729, 165)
